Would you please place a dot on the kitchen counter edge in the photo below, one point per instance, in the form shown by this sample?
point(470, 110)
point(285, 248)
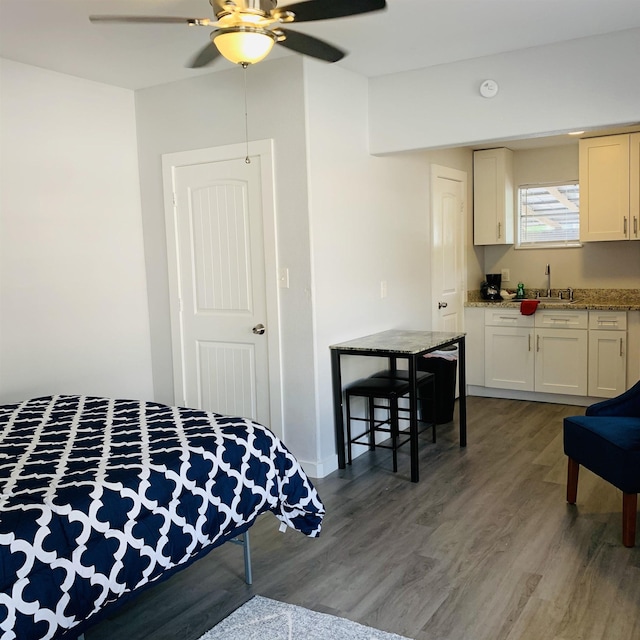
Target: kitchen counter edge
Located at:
point(590, 306)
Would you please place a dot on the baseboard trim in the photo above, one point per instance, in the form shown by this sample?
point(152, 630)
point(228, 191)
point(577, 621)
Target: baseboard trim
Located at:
point(321, 468)
point(532, 396)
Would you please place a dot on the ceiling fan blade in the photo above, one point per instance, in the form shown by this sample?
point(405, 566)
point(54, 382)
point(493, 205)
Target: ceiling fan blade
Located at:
point(206, 55)
point(310, 46)
point(327, 9)
point(153, 20)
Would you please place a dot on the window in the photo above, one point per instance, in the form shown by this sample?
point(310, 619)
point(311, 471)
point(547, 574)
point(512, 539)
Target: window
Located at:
point(549, 215)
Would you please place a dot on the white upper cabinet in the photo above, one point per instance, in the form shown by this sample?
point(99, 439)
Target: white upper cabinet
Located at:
point(493, 199)
point(610, 187)
point(634, 185)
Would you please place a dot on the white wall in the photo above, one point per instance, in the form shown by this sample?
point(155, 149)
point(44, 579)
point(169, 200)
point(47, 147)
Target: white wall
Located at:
point(353, 218)
point(580, 84)
point(73, 316)
point(368, 224)
point(73, 309)
point(585, 83)
point(208, 111)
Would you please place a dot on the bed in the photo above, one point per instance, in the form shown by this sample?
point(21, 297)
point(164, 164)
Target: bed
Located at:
point(102, 497)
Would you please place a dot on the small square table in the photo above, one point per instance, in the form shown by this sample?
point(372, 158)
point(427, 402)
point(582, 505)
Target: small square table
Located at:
point(394, 344)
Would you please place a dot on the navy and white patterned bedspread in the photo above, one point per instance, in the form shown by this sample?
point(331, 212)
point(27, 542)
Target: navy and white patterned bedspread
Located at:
point(100, 497)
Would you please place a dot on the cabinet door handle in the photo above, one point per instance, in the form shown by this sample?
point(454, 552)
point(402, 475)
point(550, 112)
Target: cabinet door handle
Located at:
point(635, 226)
point(621, 350)
point(625, 226)
point(538, 342)
point(500, 230)
point(529, 342)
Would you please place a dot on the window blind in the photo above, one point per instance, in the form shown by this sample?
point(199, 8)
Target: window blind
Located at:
point(549, 214)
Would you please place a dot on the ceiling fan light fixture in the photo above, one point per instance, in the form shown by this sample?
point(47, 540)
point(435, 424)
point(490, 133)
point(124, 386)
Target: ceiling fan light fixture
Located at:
point(244, 45)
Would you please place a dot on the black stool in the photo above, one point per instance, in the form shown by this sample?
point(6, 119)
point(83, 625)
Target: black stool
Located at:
point(423, 379)
point(375, 388)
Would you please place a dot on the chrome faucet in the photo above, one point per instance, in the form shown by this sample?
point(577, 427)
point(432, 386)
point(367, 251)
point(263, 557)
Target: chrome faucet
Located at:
point(569, 291)
point(547, 272)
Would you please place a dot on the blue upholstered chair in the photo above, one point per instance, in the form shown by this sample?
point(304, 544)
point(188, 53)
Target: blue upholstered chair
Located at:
point(606, 440)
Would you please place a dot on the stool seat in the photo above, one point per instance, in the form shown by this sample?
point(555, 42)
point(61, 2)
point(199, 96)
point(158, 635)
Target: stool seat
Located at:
point(423, 379)
point(382, 386)
point(374, 388)
point(403, 374)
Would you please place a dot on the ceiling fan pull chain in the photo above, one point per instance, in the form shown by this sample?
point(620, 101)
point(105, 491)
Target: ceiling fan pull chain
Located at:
point(246, 117)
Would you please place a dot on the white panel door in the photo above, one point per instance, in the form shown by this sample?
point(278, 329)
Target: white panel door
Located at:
point(448, 190)
point(219, 237)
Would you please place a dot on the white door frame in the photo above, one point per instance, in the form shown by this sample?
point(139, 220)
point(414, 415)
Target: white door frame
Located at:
point(264, 150)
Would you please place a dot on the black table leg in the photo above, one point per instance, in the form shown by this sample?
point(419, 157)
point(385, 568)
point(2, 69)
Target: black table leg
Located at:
point(338, 418)
point(413, 420)
point(462, 393)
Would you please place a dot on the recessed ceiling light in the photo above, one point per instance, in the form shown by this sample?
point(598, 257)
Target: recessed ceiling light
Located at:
point(575, 133)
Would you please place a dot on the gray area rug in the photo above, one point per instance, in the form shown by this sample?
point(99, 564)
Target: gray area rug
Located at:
point(265, 619)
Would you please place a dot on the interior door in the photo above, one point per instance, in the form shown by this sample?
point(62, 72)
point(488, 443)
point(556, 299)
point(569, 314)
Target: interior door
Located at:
point(219, 324)
point(448, 212)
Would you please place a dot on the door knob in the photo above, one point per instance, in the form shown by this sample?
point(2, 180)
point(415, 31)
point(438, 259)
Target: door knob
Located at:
point(442, 305)
point(259, 329)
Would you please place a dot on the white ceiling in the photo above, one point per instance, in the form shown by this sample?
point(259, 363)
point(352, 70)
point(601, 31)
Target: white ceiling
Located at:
point(410, 34)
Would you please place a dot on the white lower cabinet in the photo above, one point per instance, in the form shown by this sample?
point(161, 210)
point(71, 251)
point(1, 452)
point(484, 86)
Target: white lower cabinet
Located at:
point(566, 352)
point(561, 361)
point(508, 351)
point(607, 353)
point(508, 362)
point(546, 352)
point(474, 340)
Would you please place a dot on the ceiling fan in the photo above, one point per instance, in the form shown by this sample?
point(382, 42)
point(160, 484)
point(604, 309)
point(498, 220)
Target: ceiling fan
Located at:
point(246, 30)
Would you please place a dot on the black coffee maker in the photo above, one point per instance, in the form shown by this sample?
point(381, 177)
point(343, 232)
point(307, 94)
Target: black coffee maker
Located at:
point(490, 288)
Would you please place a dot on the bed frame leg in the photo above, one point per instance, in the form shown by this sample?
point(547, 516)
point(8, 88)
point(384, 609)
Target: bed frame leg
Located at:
point(246, 546)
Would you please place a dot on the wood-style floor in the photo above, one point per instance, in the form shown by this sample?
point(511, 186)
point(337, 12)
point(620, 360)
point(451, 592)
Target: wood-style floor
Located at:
point(484, 547)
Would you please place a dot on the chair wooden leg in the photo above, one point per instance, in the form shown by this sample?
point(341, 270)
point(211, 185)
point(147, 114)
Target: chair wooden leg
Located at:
point(572, 481)
point(629, 511)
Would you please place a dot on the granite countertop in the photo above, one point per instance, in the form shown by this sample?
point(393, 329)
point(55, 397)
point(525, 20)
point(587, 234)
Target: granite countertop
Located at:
point(399, 341)
point(594, 299)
